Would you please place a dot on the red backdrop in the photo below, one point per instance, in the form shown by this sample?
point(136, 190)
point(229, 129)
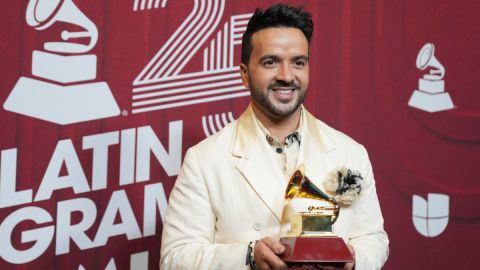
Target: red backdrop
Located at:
point(363, 73)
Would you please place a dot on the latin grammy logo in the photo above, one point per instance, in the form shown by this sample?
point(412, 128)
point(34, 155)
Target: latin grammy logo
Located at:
point(70, 95)
point(431, 96)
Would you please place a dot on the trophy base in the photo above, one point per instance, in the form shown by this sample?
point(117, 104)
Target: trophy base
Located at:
point(431, 102)
point(62, 104)
point(64, 69)
point(431, 87)
point(305, 250)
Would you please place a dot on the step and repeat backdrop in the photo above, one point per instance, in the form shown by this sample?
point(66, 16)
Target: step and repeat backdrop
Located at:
point(101, 99)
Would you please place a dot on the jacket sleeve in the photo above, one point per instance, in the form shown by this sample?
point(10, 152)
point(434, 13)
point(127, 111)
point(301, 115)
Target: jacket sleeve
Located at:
point(367, 235)
point(189, 226)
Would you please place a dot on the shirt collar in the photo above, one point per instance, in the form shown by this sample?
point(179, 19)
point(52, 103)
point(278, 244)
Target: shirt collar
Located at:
point(291, 138)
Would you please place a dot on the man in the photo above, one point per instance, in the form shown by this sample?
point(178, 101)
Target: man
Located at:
point(230, 190)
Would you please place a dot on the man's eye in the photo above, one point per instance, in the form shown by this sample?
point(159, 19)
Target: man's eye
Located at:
point(268, 63)
point(300, 63)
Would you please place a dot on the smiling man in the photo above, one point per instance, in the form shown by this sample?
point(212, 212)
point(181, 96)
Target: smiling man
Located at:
point(225, 211)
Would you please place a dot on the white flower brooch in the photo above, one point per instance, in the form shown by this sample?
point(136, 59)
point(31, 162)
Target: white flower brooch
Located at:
point(344, 185)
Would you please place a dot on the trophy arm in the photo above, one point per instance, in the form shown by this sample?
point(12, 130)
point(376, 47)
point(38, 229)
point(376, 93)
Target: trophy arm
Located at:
point(336, 212)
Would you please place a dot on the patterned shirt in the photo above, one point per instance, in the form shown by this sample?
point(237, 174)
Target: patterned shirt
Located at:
point(286, 152)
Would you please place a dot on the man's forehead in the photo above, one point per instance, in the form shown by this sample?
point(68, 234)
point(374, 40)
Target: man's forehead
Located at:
point(272, 32)
point(279, 39)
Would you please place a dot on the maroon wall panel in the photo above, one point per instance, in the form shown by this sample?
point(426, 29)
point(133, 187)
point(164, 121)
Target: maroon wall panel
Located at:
point(94, 128)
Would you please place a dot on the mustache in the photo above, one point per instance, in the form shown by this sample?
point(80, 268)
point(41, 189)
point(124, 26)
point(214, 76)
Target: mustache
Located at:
point(291, 84)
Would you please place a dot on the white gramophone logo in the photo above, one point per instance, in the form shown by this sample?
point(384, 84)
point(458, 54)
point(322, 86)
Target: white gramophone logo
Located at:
point(70, 95)
point(430, 217)
point(431, 96)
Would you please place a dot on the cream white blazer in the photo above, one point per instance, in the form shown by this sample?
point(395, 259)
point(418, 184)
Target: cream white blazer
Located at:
point(230, 191)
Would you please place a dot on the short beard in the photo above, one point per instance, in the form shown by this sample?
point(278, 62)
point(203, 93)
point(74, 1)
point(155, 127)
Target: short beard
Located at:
point(267, 106)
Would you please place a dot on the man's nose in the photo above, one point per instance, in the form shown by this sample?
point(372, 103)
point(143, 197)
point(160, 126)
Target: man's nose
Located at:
point(285, 73)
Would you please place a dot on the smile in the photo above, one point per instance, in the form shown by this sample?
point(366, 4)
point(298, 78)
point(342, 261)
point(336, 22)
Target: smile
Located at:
point(284, 95)
point(283, 91)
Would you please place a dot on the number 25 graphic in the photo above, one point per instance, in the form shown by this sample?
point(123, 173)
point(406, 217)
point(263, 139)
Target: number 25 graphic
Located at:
point(161, 85)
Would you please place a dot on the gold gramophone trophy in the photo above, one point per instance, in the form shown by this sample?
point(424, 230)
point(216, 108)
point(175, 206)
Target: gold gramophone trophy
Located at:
point(308, 234)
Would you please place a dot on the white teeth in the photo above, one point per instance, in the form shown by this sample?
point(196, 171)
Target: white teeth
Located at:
point(284, 91)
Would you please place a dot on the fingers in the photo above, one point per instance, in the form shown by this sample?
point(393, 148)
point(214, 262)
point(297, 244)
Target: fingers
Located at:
point(327, 268)
point(351, 249)
point(267, 252)
point(274, 245)
point(345, 266)
point(349, 266)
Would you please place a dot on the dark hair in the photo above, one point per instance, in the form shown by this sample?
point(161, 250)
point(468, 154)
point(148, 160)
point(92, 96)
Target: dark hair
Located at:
point(278, 15)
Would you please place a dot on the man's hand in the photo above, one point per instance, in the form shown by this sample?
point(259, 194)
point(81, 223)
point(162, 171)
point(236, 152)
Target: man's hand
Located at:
point(347, 266)
point(267, 253)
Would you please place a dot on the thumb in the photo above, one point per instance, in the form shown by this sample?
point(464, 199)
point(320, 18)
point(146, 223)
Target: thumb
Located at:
point(274, 245)
point(277, 248)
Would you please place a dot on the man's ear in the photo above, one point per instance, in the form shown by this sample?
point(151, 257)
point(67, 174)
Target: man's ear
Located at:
point(244, 74)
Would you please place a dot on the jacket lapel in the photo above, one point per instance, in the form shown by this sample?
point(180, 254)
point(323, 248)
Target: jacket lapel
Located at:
point(257, 163)
point(315, 150)
point(259, 167)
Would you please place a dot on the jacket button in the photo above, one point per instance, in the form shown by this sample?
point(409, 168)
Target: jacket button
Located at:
point(257, 226)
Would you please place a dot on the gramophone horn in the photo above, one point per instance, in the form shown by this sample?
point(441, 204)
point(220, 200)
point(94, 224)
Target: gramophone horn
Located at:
point(300, 186)
point(426, 58)
point(41, 14)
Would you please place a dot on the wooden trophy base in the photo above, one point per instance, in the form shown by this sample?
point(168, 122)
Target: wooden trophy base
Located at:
point(330, 250)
